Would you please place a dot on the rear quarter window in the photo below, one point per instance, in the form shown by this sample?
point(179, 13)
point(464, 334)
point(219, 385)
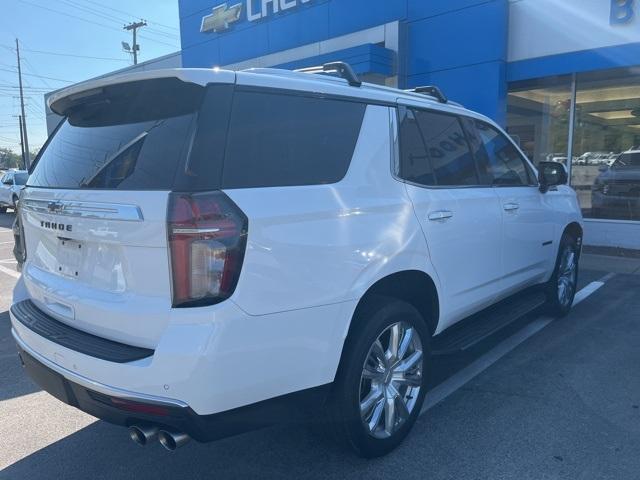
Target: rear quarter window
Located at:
point(280, 139)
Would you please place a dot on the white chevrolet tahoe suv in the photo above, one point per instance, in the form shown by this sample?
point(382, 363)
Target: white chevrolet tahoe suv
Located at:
point(207, 252)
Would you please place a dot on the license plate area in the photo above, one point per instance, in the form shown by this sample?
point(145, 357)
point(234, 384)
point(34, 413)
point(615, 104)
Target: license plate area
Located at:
point(69, 255)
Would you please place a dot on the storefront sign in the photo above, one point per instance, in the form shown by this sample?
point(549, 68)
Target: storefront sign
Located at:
point(622, 11)
point(222, 16)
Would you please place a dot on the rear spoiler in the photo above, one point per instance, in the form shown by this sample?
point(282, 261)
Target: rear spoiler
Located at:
point(198, 76)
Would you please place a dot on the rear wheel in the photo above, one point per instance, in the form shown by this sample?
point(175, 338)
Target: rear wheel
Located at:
point(380, 387)
point(561, 288)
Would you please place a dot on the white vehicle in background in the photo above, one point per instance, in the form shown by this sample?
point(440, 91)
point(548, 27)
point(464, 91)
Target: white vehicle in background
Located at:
point(11, 183)
point(207, 251)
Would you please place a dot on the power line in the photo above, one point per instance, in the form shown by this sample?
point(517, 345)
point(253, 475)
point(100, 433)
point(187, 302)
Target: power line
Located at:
point(118, 19)
point(43, 52)
point(38, 76)
point(82, 19)
point(131, 15)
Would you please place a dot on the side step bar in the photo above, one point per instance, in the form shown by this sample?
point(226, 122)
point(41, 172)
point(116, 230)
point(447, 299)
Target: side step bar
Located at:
point(476, 328)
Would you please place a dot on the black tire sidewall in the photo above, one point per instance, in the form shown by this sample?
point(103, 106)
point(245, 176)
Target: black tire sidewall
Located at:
point(369, 324)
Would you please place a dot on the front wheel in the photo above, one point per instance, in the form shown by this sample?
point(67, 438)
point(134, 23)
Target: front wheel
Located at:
point(561, 288)
point(380, 387)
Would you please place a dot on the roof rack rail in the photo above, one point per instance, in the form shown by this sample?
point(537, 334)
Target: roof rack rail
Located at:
point(343, 69)
point(432, 91)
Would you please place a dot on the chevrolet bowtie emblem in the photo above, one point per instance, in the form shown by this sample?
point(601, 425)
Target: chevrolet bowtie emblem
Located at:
point(220, 18)
point(55, 207)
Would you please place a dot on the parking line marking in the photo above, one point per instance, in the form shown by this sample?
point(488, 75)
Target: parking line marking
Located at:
point(475, 368)
point(8, 271)
point(9, 260)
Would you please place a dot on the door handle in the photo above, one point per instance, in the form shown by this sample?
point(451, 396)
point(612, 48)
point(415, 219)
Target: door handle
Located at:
point(440, 215)
point(510, 207)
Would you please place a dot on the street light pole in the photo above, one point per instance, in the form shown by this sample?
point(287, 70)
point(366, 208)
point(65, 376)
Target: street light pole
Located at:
point(134, 26)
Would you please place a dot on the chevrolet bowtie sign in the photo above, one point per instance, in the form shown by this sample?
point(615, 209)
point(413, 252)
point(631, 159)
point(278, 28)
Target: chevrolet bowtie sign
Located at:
point(222, 16)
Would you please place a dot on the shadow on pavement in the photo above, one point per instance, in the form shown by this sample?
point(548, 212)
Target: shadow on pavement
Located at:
point(13, 380)
point(559, 406)
point(103, 451)
point(6, 219)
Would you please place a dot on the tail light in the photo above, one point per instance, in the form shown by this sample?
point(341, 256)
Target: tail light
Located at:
point(207, 240)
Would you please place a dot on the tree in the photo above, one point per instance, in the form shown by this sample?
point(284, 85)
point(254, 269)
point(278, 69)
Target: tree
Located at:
point(9, 159)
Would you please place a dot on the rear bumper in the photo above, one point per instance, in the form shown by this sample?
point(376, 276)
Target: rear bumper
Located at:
point(127, 408)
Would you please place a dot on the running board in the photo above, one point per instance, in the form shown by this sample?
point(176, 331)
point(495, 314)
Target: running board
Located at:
point(476, 328)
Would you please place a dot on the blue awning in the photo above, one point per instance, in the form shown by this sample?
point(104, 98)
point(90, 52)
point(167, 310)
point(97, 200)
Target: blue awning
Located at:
point(364, 59)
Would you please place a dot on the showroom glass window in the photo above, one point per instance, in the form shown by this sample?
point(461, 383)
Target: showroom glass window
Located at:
point(606, 144)
point(538, 117)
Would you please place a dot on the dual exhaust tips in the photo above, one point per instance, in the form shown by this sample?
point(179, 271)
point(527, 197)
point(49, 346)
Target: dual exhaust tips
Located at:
point(145, 434)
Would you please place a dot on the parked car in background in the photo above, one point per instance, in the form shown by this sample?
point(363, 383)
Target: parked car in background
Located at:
point(616, 191)
point(234, 248)
point(10, 185)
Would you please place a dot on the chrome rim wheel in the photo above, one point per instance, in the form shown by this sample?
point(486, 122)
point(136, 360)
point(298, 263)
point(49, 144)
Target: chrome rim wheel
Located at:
point(391, 380)
point(567, 276)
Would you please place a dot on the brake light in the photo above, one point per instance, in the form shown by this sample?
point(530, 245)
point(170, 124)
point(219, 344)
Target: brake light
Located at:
point(207, 240)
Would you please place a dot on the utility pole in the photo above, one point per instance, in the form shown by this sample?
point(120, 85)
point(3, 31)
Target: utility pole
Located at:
point(24, 160)
point(134, 26)
point(23, 121)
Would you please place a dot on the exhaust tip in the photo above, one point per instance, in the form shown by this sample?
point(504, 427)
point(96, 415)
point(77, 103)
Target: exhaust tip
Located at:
point(142, 434)
point(172, 440)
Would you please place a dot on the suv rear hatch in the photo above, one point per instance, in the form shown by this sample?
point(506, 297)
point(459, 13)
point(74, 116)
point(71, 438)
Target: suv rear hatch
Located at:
point(94, 212)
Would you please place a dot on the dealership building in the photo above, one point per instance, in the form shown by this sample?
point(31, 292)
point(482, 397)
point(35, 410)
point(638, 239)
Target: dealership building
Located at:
point(562, 76)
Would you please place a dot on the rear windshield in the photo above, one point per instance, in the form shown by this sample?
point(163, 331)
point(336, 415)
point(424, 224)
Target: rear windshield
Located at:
point(128, 137)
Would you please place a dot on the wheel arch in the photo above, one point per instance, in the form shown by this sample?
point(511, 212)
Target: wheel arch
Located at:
point(412, 286)
point(575, 230)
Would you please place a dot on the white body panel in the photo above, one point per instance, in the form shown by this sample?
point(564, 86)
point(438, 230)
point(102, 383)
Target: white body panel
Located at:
point(312, 253)
point(463, 246)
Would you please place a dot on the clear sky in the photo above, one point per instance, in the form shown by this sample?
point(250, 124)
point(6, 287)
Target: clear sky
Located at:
point(61, 28)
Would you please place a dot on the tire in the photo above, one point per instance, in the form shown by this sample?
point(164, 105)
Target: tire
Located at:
point(561, 287)
point(389, 388)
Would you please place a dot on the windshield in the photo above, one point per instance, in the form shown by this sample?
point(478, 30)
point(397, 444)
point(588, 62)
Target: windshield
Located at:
point(627, 160)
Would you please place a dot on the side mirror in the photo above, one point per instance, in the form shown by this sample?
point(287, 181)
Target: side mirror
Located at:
point(551, 174)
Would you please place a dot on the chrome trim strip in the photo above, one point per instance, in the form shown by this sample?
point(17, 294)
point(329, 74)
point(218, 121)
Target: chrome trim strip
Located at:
point(96, 386)
point(73, 208)
point(190, 231)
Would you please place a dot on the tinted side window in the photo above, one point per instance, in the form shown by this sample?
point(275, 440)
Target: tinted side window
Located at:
point(502, 161)
point(283, 140)
point(447, 148)
point(415, 165)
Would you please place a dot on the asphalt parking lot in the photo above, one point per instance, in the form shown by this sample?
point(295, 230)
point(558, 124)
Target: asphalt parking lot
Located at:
point(544, 399)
